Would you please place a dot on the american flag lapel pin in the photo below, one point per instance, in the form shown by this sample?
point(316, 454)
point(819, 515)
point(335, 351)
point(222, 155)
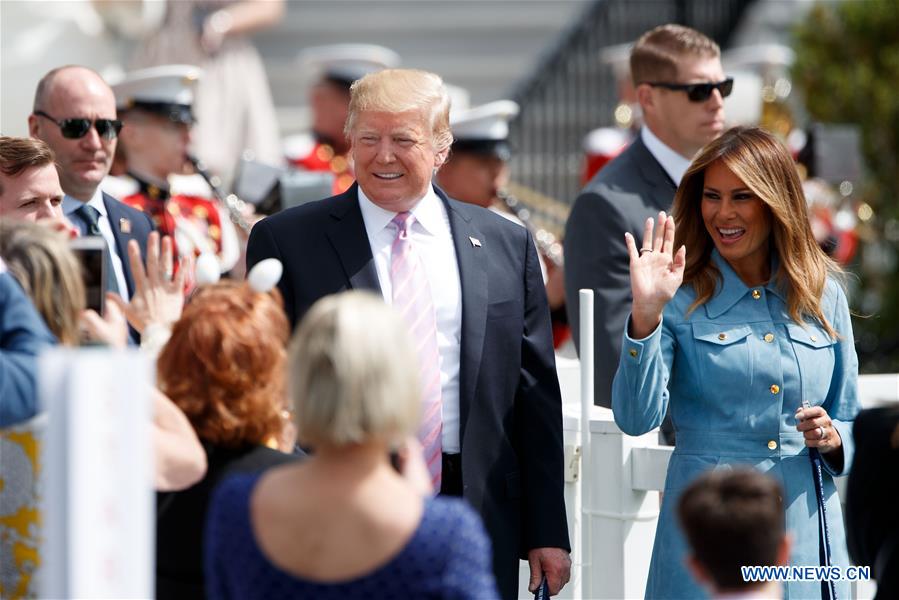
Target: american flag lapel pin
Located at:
point(475, 242)
point(125, 225)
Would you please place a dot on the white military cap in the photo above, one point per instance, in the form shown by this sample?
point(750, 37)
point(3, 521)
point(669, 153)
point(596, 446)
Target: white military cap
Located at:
point(345, 63)
point(460, 99)
point(484, 129)
point(167, 90)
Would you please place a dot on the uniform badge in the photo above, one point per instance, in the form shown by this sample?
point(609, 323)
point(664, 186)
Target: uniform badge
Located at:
point(125, 225)
point(475, 242)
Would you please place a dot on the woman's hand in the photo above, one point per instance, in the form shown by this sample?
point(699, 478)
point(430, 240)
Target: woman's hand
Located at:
point(656, 274)
point(818, 429)
point(158, 295)
point(110, 329)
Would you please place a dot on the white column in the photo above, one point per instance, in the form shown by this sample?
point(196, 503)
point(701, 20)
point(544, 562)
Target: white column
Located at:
point(98, 500)
point(621, 521)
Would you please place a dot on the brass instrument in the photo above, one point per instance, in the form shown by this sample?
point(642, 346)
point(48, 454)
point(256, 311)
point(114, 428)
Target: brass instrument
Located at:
point(231, 202)
point(547, 243)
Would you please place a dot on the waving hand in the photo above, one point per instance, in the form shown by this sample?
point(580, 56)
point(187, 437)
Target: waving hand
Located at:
point(656, 274)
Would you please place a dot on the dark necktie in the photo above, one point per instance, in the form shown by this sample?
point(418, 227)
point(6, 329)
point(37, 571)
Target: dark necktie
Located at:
point(90, 216)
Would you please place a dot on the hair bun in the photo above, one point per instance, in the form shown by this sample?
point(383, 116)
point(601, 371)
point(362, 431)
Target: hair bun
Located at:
point(265, 275)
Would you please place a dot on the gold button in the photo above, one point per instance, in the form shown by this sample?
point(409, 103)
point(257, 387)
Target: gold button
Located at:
point(769, 337)
point(756, 294)
point(632, 352)
point(772, 445)
point(814, 338)
point(722, 336)
point(775, 388)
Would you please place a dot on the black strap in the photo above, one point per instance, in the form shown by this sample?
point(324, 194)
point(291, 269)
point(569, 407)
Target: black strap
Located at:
point(828, 589)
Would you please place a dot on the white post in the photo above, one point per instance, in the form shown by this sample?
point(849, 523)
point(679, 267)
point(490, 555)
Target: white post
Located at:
point(585, 297)
point(97, 501)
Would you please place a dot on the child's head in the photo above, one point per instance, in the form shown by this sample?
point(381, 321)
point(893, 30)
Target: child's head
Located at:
point(732, 519)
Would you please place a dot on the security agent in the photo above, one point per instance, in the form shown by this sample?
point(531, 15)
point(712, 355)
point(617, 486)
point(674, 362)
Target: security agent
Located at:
point(680, 86)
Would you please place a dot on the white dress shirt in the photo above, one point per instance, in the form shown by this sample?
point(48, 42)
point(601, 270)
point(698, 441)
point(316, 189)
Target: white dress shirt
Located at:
point(433, 241)
point(70, 205)
point(673, 163)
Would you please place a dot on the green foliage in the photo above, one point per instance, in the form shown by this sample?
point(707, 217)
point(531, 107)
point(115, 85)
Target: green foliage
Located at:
point(847, 67)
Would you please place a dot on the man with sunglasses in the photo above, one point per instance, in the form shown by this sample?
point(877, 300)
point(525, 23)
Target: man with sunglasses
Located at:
point(680, 86)
point(75, 114)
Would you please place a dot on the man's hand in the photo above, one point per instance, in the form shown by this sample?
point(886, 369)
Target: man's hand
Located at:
point(555, 563)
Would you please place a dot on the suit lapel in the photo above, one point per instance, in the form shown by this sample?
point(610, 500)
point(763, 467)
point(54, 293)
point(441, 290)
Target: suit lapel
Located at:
point(472, 262)
point(652, 171)
point(116, 218)
point(348, 237)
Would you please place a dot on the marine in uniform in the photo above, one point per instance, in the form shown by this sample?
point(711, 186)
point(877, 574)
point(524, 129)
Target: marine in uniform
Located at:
point(155, 105)
point(477, 172)
point(325, 149)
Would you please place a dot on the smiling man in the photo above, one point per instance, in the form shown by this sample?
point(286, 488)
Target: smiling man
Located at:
point(75, 114)
point(680, 86)
point(468, 283)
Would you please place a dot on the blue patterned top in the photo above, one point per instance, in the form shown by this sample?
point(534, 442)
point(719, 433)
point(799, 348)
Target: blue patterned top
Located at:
point(448, 556)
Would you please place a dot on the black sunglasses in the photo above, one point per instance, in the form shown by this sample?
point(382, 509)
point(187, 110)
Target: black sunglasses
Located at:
point(699, 92)
point(78, 128)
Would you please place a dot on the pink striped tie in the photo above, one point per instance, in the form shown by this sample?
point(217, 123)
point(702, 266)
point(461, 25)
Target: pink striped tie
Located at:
point(412, 297)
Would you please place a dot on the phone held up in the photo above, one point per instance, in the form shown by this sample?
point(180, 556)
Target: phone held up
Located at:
point(91, 254)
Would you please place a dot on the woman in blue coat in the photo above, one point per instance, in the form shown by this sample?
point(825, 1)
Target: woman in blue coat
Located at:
point(735, 329)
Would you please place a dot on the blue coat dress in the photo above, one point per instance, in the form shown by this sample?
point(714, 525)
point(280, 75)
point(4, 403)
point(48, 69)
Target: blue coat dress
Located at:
point(735, 371)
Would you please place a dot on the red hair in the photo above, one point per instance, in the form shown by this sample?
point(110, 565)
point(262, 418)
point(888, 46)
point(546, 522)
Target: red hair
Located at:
point(224, 365)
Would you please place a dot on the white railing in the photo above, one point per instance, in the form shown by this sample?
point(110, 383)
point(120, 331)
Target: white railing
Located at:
point(612, 482)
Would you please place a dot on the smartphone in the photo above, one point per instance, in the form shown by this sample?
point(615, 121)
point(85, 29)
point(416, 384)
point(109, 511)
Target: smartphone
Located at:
point(91, 254)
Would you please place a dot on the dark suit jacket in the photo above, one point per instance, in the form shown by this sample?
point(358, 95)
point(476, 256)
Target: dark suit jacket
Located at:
point(140, 227)
point(619, 198)
point(872, 521)
point(181, 518)
point(511, 418)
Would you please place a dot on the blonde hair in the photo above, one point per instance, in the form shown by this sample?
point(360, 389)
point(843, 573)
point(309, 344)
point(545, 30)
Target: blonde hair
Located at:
point(42, 262)
point(403, 90)
point(354, 375)
point(765, 167)
point(657, 53)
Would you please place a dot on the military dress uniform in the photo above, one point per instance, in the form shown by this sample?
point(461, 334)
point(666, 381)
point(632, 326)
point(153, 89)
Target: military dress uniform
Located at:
point(322, 158)
point(194, 223)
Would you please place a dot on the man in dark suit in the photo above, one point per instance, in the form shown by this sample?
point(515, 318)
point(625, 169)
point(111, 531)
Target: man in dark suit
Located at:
point(486, 322)
point(75, 114)
point(680, 117)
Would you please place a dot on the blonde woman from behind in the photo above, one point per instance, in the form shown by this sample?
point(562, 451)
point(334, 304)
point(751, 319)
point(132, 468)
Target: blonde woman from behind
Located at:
point(346, 523)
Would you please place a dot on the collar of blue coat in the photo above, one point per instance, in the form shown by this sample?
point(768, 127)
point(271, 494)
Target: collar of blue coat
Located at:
point(731, 289)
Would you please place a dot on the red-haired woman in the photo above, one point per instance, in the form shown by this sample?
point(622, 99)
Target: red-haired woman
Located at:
point(224, 366)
